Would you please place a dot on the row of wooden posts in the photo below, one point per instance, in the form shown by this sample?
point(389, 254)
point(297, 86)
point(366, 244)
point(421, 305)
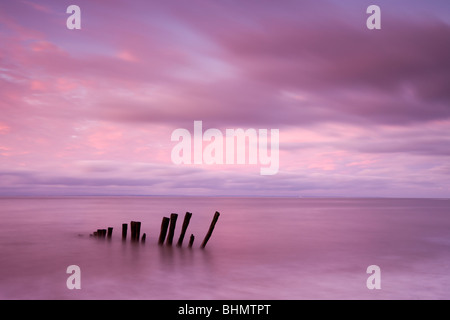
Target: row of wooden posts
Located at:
point(167, 225)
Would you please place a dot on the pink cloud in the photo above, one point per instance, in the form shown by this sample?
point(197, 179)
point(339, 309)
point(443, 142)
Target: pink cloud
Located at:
point(37, 85)
point(127, 56)
point(38, 7)
point(4, 128)
point(90, 109)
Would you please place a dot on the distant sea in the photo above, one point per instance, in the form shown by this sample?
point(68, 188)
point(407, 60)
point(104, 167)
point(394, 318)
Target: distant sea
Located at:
point(261, 248)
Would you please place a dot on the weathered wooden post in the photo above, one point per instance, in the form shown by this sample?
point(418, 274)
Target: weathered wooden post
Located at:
point(124, 231)
point(211, 228)
point(101, 233)
point(164, 226)
point(173, 222)
point(191, 241)
point(187, 218)
point(135, 227)
point(138, 230)
point(110, 230)
point(133, 230)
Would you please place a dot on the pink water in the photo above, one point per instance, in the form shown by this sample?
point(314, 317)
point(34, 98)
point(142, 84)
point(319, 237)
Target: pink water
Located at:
point(261, 248)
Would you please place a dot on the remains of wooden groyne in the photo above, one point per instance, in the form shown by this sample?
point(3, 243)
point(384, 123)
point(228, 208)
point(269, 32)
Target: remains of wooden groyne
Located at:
point(166, 233)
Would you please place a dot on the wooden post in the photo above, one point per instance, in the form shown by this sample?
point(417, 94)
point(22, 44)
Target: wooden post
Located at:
point(211, 228)
point(187, 218)
point(164, 226)
point(191, 241)
point(101, 233)
point(138, 230)
point(132, 230)
point(143, 237)
point(110, 230)
point(173, 222)
point(135, 227)
point(124, 231)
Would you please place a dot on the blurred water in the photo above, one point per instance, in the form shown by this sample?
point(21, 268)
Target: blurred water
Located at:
point(261, 248)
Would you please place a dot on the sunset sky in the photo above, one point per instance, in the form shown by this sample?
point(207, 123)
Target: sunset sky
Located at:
point(361, 113)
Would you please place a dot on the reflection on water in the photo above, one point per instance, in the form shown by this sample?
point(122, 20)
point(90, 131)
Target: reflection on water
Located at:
point(260, 249)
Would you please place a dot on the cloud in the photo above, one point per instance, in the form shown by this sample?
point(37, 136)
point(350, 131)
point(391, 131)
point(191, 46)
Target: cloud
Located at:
point(192, 68)
point(359, 112)
point(398, 75)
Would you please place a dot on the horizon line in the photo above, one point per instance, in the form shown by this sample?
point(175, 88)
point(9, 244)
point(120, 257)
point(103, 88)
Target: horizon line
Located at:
point(215, 196)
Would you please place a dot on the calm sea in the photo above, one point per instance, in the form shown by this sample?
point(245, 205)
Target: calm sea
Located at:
point(261, 248)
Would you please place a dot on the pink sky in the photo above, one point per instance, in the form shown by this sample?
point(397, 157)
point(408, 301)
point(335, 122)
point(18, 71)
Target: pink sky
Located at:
point(360, 112)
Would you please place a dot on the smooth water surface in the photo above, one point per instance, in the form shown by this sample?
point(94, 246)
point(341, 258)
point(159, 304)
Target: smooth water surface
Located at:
point(261, 248)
